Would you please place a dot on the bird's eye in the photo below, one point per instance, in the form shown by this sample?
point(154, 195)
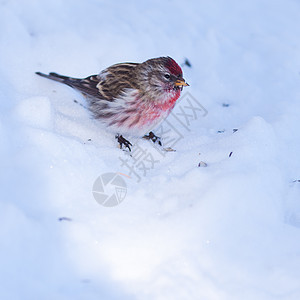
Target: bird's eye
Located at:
point(167, 76)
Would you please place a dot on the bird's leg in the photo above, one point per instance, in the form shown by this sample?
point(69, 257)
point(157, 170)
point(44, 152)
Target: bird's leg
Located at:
point(151, 136)
point(122, 141)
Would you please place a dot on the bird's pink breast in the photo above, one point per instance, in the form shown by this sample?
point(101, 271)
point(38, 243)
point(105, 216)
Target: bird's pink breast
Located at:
point(143, 115)
point(152, 113)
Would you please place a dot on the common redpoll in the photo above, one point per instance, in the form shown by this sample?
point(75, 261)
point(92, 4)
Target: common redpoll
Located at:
point(130, 98)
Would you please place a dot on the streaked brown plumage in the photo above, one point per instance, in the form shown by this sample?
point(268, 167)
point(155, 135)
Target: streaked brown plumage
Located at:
point(130, 98)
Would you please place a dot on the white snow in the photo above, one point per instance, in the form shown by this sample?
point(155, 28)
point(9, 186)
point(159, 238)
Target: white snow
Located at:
point(230, 230)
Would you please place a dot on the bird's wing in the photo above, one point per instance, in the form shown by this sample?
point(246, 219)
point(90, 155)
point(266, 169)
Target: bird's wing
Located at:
point(109, 84)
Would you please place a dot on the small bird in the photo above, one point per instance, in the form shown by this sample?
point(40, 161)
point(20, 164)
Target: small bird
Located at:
point(130, 98)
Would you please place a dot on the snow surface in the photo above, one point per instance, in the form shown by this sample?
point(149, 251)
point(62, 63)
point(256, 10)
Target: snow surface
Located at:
point(230, 230)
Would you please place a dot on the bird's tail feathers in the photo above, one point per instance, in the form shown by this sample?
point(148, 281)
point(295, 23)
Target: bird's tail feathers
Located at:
point(57, 77)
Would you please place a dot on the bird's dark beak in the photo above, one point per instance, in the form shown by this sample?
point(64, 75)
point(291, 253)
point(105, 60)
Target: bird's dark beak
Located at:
point(181, 83)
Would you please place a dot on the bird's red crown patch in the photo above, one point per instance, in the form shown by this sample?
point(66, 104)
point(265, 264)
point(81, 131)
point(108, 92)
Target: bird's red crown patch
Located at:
point(173, 67)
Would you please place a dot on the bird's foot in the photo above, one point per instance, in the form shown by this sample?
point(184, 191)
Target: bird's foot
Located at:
point(151, 136)
point(122, 141)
